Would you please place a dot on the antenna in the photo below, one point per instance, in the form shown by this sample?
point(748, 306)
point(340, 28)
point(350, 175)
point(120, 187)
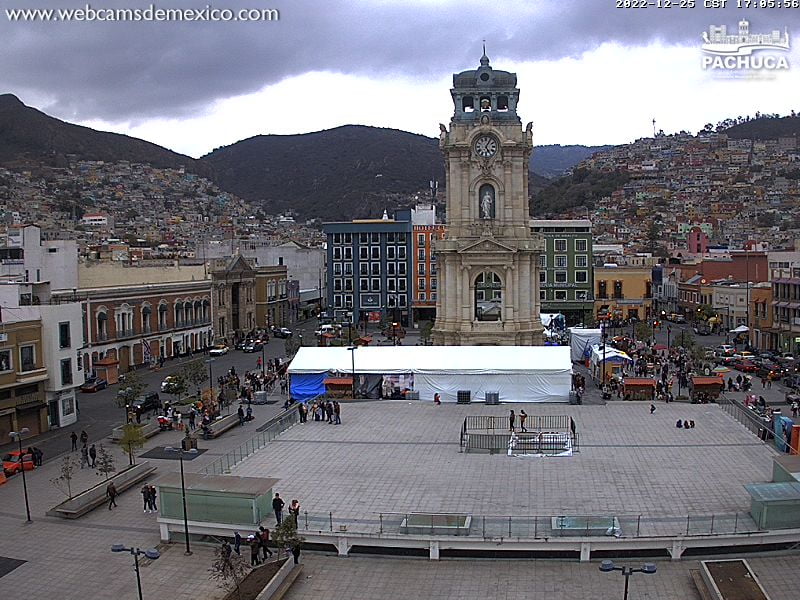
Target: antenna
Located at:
point(654, 127)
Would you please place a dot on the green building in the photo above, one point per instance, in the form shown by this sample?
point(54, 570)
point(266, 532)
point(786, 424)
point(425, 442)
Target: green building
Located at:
point(566, 276)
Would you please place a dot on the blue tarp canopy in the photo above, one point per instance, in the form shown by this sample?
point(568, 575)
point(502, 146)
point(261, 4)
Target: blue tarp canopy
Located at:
point(306, 386)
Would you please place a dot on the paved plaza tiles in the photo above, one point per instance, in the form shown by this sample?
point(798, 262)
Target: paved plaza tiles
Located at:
point(395, 456)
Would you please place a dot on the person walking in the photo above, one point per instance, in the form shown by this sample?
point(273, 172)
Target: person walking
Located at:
point(249, 413)
point(254, 546)
point(652, 408)
point(296, 553)
point(93, 455)
point(277, 506)
point(294, 511)
point(74, 437)
point(511, 420)
point(337, 413)
point(240, 412)
point(111, 494)
point(522, 416)
point(263, 536)
point(84, 437)
point(329, 411)
point(237, 543)
point(84, 456)
point(192, 417)
point(38, 456)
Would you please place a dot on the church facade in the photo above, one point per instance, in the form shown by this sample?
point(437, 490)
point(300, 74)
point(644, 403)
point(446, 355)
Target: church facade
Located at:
point(488, 264)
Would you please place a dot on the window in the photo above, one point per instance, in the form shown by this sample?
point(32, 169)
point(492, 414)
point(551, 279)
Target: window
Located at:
point(390, 237)
point(348, 268)
point(348, 300)
point(561, 277)
point(433, 283)
point(391, 285)
point(390, 252)
point(66, 371)
point(488, 297)
point(401, 268)
point(390, 268)
point(337, 268)
point(560, 245)
point(363, 284)
point(581, 260)
point(602, 290)
point(421, 269)
point(348, 285)
point(348, 238)
point(337, 285)
point(376, 238)
point(401, 238)
point(337, 253)
point(543, 261)
point(401, 300)
point(337, 238)
point(433, 296)
point(401, 285)
point(421, 284)
point(581, 245)
point(348, 253)
point(363, 253)
point(391, 300)
point(542, 276)
point(27, 358)
point(561, 294)
point(63, 335)
point(5, 361)
point(561, 262)
point(363, 238)
point(375, 252)
point(420, 239)
point(401, 253)
point(422, 296)
point(375, 268)
point(581, 276)
point(67, 406)
point(581, 295)
point(375, 285)
point(337, 300)
point(421, 254)
point(363, 268)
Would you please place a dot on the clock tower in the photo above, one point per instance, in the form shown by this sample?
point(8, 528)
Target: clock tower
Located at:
point(488, 265)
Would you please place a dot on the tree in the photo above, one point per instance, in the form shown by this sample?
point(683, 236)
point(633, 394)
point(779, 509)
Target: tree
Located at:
point(178, 386)
point(132, 440)
point(228, 568)
point(105, 462)
point(425, 329)
point(132, 390)
point(643, 331)
point(66, 469)
point(291, 346)
point(285, 535)
point(195, 372)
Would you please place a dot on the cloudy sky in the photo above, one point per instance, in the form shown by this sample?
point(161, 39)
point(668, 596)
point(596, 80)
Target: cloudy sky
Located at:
point(589, 72)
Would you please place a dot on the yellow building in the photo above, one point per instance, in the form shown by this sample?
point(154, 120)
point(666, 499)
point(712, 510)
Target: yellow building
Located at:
point(22, 377)
point(623, 292)
point(272, 304)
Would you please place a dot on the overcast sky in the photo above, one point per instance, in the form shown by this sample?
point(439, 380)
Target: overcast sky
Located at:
point(589, 73)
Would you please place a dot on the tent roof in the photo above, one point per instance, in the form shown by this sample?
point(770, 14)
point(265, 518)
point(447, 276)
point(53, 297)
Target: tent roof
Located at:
point(741, 329)
point(433, 359)
point(611, 354)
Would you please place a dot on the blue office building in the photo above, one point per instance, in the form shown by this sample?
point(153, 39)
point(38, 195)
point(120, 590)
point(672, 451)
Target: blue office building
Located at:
point(369, 268)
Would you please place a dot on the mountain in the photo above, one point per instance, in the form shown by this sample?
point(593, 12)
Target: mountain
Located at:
point(555, 160)
point(343, 173)
point(29, 137)
point(766, 128)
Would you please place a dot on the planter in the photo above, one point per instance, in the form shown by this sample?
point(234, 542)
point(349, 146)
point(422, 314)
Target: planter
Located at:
point(281, 581)
point(149, 429)
point(95, 496)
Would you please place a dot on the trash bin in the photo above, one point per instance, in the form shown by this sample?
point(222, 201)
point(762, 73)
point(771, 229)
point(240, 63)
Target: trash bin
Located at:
point(493, 398)
point(573, 397)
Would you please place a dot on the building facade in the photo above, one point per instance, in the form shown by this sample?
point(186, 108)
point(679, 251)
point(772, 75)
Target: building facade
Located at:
point(786, 314)
point(369, 269)
point(26, 257)
point(272, 297)
point(233, 281)
point(488, 263)
point(566, 270)
point(623, 292)
point(425, 280)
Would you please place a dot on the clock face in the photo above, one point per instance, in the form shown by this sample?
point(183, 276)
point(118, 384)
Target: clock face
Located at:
point(486, 146)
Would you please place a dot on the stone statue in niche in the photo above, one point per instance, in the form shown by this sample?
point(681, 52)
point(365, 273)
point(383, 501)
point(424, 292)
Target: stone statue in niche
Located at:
point(487, 202)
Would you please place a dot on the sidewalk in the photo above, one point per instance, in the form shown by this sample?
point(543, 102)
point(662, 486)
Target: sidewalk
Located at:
point(72, 559)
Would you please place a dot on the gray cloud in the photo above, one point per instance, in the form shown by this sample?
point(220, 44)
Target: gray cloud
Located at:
point(136, 71)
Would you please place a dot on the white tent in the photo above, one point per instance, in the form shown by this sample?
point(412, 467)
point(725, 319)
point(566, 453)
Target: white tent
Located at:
point(516, 373)
point(741, 329)
point(581, 340)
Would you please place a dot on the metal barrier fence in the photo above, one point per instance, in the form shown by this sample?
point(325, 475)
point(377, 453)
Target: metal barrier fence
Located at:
point(533, 422)
point(532, 527)
point(266, 433)
point(751, 421)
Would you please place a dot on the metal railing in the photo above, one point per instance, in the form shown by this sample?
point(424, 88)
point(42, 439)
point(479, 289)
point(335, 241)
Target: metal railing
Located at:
point(266, 433)
point(751, 421)
point(531, 527)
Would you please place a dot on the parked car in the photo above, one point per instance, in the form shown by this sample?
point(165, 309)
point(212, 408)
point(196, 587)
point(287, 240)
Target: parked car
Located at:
point(768, 369)
point(702, 330)
point(676, 318)
point(253, 346)
point(15, 461)
point(146, 402)
point(94, 384)
point(282, 333)
point(330, 329)
point(725, 349)
point(218, 350)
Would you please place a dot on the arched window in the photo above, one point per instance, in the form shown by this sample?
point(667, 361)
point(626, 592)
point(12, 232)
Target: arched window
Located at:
point(206, 310)
point(147, 323)
point(488, 297)
point(102, 325)
point(179, 314)
point(198, 311)
point(162, 315)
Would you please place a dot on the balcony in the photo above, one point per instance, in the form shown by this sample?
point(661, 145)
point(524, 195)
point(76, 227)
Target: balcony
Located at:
point(101, 336)
point(125, 333)
point(619, 297)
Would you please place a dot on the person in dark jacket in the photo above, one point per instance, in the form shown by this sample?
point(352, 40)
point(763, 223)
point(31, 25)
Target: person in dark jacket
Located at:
point(277, 506)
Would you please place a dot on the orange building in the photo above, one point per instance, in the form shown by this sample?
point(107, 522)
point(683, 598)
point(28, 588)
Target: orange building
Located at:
point(425, 280)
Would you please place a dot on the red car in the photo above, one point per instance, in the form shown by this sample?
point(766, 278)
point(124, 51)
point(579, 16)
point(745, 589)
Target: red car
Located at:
point(12, 463)
point(744, 365)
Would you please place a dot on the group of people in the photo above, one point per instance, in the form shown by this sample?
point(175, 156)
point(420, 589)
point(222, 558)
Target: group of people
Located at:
point(321, 411)
point(149, 498)
point(88, 453)
point(36, 455)
point(512, 421)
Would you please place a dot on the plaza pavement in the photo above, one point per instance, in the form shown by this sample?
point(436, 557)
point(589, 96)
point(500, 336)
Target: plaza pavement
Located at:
point(71, 559)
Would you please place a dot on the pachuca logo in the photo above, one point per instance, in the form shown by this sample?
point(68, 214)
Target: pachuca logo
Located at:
point(743, 50)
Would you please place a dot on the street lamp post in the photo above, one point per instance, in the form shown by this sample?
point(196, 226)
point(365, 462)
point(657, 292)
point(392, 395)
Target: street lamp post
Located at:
point(263, 360)
point(152, 554)
point(669, 331)
point(181, 452)
point(17, 436)
point(608, 566)
point(603, 338)
point(352, 350)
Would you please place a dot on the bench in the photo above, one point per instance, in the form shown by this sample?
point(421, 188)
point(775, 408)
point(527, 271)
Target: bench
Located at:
point(149, 429)
point(95, 496)
point(220, 426)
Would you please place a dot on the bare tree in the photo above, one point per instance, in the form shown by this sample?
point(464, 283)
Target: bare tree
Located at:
point(63, 482)
point(228, 568)
point(105, 462)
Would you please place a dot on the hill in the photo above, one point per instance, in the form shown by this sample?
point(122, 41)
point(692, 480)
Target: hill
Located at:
point(30, 137)
point(343, 173)
point(555, 160)
point(766, 128)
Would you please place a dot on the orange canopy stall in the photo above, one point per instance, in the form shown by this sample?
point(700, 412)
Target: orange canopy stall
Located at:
point(639, 388)
point(705, 389)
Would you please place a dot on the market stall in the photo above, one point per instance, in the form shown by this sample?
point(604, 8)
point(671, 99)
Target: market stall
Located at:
point(639, 388)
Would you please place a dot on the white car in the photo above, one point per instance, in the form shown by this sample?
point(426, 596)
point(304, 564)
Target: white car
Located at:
point(218, 350)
